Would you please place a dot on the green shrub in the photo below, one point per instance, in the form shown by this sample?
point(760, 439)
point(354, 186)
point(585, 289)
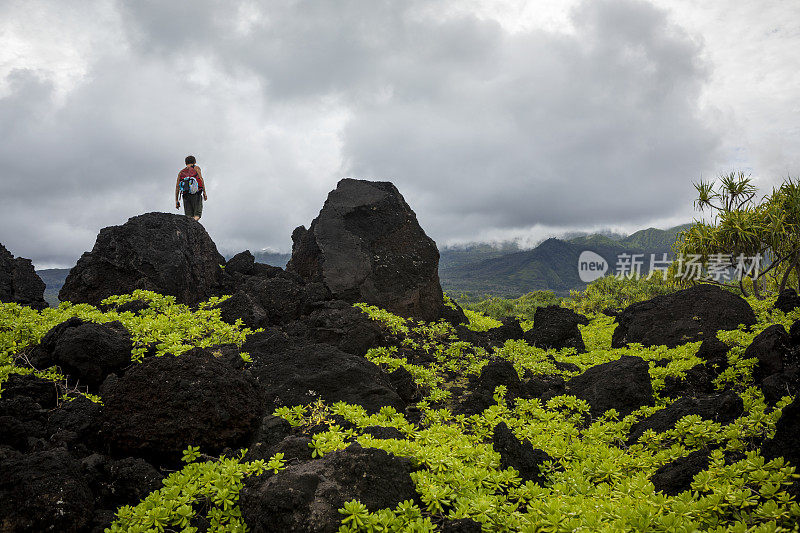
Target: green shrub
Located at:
point(615, 292)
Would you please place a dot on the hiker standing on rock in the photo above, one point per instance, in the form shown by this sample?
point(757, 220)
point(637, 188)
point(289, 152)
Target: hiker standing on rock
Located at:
point(190, 185)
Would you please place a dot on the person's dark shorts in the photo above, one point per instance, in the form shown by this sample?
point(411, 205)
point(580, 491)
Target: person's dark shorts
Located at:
point(193, 204)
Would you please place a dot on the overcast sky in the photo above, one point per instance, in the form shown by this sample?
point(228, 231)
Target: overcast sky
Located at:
point(495, 119)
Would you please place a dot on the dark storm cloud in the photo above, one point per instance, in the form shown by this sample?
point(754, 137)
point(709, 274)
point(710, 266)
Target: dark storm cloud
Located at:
point(481, 129)
point(597, 128)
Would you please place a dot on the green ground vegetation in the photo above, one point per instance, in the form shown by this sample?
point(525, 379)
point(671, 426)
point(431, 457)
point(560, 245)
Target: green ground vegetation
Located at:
point(596, 482)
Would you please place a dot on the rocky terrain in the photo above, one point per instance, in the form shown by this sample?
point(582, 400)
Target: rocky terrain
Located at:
point(322, 414)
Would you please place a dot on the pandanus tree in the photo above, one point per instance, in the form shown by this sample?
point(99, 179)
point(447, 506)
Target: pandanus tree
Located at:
point(753, 239)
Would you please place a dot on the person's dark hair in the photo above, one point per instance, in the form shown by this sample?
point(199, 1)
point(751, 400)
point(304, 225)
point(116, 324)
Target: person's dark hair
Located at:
point(190, 160)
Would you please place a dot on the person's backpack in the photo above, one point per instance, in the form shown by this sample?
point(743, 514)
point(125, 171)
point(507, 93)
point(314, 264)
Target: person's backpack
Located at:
point(189, 183)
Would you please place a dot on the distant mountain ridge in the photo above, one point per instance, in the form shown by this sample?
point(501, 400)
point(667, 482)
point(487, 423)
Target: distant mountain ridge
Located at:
point(552, 265)
point(501, 270)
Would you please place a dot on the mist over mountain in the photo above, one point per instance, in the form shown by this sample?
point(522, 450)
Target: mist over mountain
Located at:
point(499, 269)
point(552, 265)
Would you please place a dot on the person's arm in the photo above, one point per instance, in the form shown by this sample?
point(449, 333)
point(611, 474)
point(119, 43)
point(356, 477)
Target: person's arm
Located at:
point(178, 192)
point(202, 181)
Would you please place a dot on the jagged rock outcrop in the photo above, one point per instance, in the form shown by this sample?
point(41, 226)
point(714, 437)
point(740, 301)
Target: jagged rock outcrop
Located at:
point(263, 295)
point(161, 252)
point(306, 497)
point(166, 403)
point(556, 327)
point(19, 282)
point(366, 245)
point(85, 351)
point(786, 383)
point(688, 315)
point(120, 482)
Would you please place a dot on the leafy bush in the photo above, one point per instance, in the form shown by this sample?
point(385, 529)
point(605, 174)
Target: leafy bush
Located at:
point(523, 307)
point(212, 484)
point(163, 327)
point(615, 292)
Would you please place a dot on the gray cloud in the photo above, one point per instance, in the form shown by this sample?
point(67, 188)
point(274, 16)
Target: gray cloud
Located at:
point(482, 129)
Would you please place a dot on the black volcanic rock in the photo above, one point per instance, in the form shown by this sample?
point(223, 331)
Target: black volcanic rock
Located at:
point(43, 491)
point(676, 477)
point(510, 329)
point(556, 327)
point(688, 315)
point(772, 348)
point(724, 408)
point(293, 375)
point(519, 455)
point(787, 300)
point(75, 424)
point(161, 252)
point(163, 405)
point(85, 351)
point(481, 388)
point(713, 350)
point(339, 324)
point(794, 333)
point(260, 302)
point(698, 380)
point(776, 386)
point(367, 246)
point(787, 432)
point(623, 385)
point(19, 283)
point(306, 497)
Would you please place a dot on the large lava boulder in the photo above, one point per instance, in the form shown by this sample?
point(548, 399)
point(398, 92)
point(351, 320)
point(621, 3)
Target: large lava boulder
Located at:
point(339, 324)
point(19, 282)
point(480, 389)
point(623, 385)
point(509, 329)
point(367, 246)
point(307, 497)
point(724, 408)
point(85, 351)
point(161, 252)
point(24, 405)
point(785, 442)
point(677, 476)
point(787, 300)
point(43, 491)
point(519, 455)
point(294, 375)
point(165, 404)
point(772, 348)
point(689, 315)
point(556, 327)
point(264, 302)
